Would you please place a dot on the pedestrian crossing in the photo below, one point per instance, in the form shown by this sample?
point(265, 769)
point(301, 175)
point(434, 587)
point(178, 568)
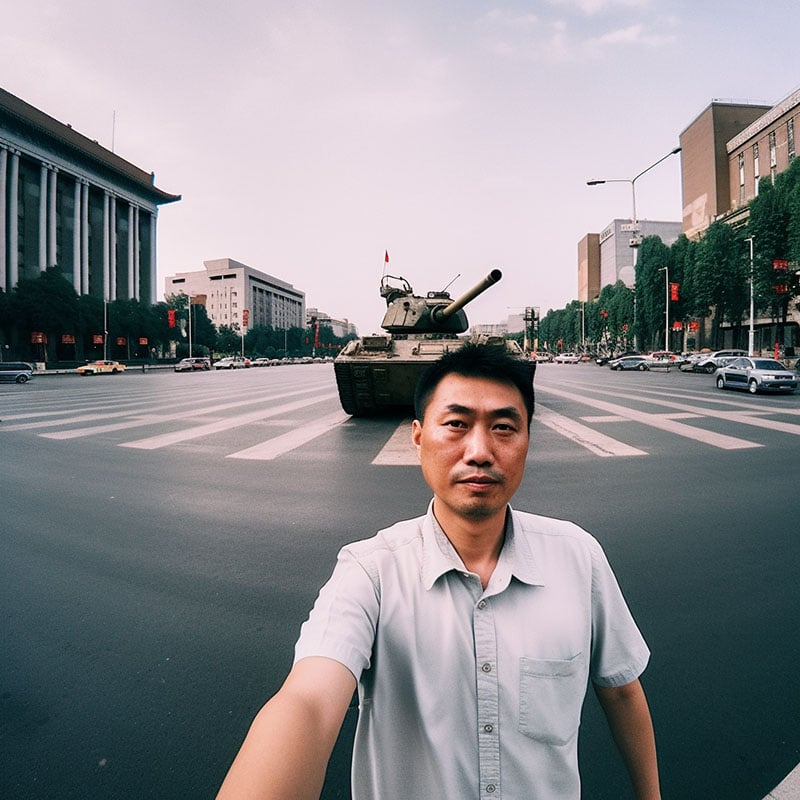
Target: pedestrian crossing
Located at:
point(267, 422)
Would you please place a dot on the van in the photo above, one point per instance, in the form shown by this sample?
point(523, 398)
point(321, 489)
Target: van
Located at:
point(17, 371)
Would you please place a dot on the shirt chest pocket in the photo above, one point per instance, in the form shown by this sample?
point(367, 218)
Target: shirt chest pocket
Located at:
point(551, 695)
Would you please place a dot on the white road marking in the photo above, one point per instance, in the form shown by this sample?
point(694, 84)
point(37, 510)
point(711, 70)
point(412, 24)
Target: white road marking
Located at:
point(398, 451)
point(280, 445)
point(595, 442)
point(167, 439)
point(659, 421)
point(140, 421)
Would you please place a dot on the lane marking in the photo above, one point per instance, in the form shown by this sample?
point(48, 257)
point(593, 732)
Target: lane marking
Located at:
point(167, 439)
point(399, 451)
point(659, 421)
point(140, 421)
point(280, 445)
point(595, 442)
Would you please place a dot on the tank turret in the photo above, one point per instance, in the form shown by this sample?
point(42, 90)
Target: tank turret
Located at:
point(434, 313)
point(379, 373)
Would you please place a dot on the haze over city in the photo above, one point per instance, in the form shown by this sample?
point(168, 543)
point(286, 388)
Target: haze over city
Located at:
point(308, 138)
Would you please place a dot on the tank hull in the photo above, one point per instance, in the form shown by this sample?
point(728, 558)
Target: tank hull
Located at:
point(379, 374)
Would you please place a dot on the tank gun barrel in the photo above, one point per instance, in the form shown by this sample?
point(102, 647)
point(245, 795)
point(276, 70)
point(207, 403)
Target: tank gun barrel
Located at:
point(442, 313)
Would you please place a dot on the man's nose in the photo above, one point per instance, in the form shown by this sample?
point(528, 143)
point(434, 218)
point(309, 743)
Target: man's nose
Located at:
point(478, 447)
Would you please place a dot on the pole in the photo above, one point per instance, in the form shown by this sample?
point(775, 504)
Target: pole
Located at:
point(666, 309)
point(751, 330)
point(190, 326)
point(105, 330)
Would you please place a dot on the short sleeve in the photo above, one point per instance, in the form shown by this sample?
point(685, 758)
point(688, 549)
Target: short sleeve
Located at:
point(343, 621)
point(619, 651)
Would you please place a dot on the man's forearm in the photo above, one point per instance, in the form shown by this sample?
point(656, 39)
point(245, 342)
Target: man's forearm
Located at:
point(287, 748)
point(631, 726)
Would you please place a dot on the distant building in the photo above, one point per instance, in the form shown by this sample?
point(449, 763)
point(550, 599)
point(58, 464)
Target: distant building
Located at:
point(607, 257)
point(226, 288)
point(340, 327)
point(66, 201)
point(489, 329)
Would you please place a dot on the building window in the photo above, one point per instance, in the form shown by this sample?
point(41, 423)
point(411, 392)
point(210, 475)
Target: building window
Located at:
point(755, 169)
point(773, 157)
point(790, 138)
point(741, 177)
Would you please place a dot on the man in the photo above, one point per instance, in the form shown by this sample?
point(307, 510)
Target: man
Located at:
point(471, 632)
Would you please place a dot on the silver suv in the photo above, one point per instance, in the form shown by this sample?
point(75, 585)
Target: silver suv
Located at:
point(710, 362)
point(17, 371)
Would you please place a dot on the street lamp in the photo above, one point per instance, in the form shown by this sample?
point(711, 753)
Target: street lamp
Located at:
point(635, 241)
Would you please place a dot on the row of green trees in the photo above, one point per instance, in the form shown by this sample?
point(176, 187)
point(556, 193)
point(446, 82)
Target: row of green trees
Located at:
point(44, 319)
point(713, 277)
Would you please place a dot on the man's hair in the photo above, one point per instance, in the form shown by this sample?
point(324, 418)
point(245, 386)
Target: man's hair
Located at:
point(472, 360)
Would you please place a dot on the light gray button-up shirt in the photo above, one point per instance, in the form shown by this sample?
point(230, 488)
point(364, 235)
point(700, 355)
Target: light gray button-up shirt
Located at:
point(471, 693)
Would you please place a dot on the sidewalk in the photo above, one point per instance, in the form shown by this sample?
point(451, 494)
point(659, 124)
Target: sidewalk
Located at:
point(788, 788)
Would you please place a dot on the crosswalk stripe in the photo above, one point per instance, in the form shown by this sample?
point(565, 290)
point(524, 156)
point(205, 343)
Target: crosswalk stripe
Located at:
point(167, 439)
point(399, 450)
point(140, 420)
point(280, 445)
point(594, 441)
point(659, 421)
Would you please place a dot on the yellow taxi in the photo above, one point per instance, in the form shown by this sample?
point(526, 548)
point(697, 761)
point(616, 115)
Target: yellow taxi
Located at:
point(99, 367)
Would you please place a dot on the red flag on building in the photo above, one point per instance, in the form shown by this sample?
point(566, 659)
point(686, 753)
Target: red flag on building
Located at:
point(386, 257)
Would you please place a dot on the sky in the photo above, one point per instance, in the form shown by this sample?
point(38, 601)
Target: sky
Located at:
point(308, 138)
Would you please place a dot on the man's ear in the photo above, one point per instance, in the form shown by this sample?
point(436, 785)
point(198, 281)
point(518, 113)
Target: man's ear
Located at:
point(416, 433)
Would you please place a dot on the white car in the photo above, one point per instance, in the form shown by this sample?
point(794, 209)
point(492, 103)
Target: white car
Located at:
point(567, 358)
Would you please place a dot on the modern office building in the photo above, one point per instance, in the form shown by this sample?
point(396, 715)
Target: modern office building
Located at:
point(66, 201)
point(607, 257)
point(226, 288)
point(339, 327)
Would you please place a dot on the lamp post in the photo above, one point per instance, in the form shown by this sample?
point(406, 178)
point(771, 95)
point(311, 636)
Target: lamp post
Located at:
point(634, 241)
point(751, 330)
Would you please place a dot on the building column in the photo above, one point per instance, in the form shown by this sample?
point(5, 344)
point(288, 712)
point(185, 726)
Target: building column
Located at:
point(153, 269)
point(52, 219)
point(112, 244)
point(131, 292)
point(106, 254)
point(3, 214)
point(76, 237)
point(84, 285)
point(136, 255)
point(13, 216)
point(43, 217)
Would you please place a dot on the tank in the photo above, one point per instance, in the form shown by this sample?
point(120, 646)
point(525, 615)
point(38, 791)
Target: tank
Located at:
point(379, 373)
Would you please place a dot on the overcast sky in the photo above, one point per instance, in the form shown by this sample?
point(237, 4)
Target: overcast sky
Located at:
point(307, 138)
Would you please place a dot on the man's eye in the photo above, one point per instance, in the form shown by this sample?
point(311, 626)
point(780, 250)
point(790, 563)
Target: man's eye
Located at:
point(455, 423)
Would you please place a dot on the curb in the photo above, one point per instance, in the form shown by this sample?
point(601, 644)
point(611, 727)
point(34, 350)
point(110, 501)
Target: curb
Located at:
point(788, 788)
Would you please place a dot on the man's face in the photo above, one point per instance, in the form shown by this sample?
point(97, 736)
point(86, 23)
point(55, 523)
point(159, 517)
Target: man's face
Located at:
point(472, 445)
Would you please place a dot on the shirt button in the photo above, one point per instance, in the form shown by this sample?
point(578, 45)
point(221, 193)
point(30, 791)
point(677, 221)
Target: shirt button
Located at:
point(488, 728)
point(491, 788)
point(482, 604)
point(486, 667)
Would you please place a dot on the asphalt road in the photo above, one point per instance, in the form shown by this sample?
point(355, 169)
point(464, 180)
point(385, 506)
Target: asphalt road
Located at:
point(163, 537)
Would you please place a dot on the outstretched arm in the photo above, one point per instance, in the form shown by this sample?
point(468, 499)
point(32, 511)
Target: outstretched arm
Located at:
point(628, 717)
point(288, 746)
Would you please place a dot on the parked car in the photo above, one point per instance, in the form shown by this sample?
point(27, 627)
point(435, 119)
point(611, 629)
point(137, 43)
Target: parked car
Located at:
point(710, 362)
point(101, 367)
point(567, 358)
point(192, 364)
point(667, 357)
point(231, 362)
point(641, 363)
point(755, 374)
point(542, 357)
point(16, 371)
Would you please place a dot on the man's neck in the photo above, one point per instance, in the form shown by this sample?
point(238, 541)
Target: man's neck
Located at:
point(477, 542)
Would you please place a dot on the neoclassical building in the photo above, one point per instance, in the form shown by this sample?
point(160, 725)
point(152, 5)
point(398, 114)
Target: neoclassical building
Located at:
point(67, 201)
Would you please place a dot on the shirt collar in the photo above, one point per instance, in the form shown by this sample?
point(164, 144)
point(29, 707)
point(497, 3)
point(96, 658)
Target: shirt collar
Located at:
point(439, 555)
